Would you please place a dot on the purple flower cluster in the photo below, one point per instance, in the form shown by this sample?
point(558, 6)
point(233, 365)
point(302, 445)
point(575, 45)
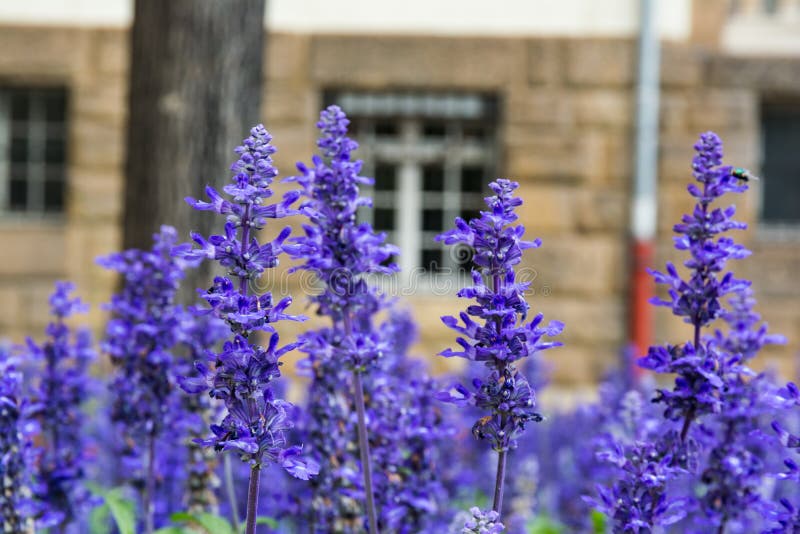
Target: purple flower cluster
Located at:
point(140, 340)
point(336, 248)
point(501, 335)
point(697, 298)
point(16, 505)
point(645, 462)
point(735, 472)
point(483, 522)
point(342, 253)
point(407, 433)
point(59, 396)
point(239, 375)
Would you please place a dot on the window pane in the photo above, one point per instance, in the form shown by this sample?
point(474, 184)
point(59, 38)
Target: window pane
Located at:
point(17, 194)
point(468, 215)
point(55, 106)
point(383, 219)
point(433, 178)
point(19, 150)
point(781, 164)
point(474, 132)
point(53, 195)
point(19, 106)
point(54, 151)
point(432, 220)
point(434, 130)
point(386, 129)
point(462, 257)
point(385, 177)
point(432, 260)
point(472, 179)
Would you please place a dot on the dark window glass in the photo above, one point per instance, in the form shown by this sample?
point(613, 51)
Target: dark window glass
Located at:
point(383, 219)
point(385, 177)
point(36, 142)
point(20, 106)
point(54, 151)
point(434, 130)
point(472, 179)
point(19, 150)
point(432, 220)
point(386, 129)
point(53, 195)
point(781, 168)
point(474, 132)
point(17, 194)
point(432, 260)
point(462, 256)
point(433, 178)
point(468, 215)
point(55, 106)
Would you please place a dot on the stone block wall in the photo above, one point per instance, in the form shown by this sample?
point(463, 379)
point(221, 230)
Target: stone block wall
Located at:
point(565, 132)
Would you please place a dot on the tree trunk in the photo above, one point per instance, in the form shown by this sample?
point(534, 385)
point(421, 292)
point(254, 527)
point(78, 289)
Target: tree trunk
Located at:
point(195, 90)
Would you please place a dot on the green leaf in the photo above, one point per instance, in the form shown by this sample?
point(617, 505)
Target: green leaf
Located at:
point(599, 522)
point(544, 525)
point(98, 520)
point(212, 524)
point(263, 520)
point(170, 530)
point(120, 508)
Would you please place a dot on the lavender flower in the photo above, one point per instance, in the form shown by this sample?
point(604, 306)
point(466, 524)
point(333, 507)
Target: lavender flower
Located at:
point(255, 423)
point(341, 252)
point(502, 335)
point(63, 388)
point(140, 338)
point(483, 522)
point(16, 506)
point(735, 471)
point(407, 436)
point(696, 299)
point(336, 248)
point(197, 334)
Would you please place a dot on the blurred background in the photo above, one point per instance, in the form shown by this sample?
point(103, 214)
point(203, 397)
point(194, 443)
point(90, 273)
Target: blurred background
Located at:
point(111, 111)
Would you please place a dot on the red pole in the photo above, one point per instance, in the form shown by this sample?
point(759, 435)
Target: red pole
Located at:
point(640, 320)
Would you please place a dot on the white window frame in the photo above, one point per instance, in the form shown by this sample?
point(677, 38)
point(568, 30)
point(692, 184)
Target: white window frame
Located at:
point(36, 130)
point(409, 152)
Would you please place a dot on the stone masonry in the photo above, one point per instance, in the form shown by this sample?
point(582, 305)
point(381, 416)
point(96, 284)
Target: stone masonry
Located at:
point(566, 133)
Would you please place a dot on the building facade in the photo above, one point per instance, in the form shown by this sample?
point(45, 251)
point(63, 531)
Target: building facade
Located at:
point(437, 117)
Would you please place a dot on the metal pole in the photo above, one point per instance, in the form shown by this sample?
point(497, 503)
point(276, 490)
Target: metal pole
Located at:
point(644, 200)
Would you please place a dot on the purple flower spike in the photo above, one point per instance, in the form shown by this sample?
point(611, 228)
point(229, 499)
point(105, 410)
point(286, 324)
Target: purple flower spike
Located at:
point(16, 449)
point(697, 364)
point(341, 253)
point(501, 335)
point(495, 328)
point(58, 401)
point(240, 375)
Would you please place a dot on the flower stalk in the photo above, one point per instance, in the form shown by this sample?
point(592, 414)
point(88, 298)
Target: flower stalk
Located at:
point(502, 334)
point(240, 375)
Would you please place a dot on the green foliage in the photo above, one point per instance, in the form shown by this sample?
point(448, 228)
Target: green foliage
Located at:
point(204, 523)
point(122, 510)
point(542, 524)
point(599, 522)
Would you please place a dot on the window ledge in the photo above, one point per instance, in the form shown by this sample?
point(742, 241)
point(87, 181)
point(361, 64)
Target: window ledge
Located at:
point(31, 220)
point(778, 233)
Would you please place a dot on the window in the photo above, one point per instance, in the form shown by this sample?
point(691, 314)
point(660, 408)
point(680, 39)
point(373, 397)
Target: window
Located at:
point(432, 156)
point(32, 150)
point(780, 122)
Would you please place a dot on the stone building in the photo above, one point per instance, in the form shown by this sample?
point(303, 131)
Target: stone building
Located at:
point(439, 108)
